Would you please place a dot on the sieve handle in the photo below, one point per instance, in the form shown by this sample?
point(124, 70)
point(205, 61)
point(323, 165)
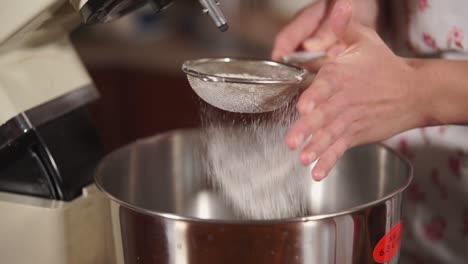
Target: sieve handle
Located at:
point(303, 57)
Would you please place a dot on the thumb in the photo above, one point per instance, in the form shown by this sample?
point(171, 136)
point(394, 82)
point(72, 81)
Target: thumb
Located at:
point(342, 24)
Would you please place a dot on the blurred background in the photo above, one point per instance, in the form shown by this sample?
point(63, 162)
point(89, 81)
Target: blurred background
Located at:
point(136, 61)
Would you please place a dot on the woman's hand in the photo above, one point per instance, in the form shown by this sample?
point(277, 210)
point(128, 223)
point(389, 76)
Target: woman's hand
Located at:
point(311, 29)
point(365, 94)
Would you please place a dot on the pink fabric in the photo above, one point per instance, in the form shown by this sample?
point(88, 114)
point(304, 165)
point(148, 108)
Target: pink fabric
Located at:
point(436, 204)
point(434, 26)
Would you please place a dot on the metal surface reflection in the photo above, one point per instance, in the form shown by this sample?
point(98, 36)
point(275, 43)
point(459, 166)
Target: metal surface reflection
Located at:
point(166, 212)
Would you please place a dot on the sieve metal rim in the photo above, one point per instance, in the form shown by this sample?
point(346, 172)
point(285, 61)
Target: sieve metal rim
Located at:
point(187, 68)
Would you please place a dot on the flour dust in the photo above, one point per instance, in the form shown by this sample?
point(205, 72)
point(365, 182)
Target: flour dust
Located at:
point(248, 161)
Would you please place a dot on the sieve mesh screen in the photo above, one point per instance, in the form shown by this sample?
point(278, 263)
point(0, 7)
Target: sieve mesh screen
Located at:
point(244, 86)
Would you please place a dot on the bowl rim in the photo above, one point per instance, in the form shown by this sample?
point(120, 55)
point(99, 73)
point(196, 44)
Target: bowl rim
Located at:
point(176, 217)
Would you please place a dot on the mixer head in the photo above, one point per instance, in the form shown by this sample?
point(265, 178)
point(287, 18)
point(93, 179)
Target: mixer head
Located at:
point(101, 11)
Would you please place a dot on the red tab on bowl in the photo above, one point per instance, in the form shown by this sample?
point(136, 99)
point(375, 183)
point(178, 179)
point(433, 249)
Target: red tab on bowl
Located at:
point(389, 245)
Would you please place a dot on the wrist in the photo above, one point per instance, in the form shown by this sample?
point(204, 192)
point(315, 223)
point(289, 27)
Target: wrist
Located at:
point(441, 91)
point(418, 95)
point(421, 91)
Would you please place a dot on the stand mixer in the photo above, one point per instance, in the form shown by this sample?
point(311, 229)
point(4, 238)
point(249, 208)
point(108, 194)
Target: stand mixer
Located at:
point(51, 210)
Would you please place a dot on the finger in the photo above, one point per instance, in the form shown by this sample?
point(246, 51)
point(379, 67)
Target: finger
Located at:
point(318, 92)
point(340, 16)
point(305, 23)
point(341, 24)
point(348, 123)
point(308, 124)
point(328, 160)
point(322, 140)
point(321, 89)
point(334, 51)
point(321, 41)
point(303, 128)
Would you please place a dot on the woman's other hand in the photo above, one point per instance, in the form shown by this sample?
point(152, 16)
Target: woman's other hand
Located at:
point(311, 29)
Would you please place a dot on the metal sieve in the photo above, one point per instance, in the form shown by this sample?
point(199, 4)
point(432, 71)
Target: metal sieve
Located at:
point(244, 85)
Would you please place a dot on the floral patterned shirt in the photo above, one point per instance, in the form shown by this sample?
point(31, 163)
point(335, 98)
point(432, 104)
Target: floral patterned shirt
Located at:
point(426, 27)
point(435, 211)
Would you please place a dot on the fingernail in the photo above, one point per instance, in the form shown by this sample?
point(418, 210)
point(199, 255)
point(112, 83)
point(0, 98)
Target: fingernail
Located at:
point(318, 174)
point(313, 44)
point(298, 140)
point(308, 158)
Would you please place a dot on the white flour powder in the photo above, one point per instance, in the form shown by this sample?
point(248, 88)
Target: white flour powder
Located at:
point(248, 160)
point(242, 76)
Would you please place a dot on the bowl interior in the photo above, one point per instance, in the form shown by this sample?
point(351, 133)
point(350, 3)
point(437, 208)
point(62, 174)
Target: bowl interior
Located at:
point(164, 174)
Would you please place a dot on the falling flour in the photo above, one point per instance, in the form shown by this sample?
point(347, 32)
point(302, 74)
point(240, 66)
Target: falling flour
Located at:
point(250, 164)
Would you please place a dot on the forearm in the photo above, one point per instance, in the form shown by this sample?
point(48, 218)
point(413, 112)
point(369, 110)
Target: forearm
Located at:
point(443, 89)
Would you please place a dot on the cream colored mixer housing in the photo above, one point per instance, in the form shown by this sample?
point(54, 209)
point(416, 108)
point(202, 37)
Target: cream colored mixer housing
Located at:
point(50, 210)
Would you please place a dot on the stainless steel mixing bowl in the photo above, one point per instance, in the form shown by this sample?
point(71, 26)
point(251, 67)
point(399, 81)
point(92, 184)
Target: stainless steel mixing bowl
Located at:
point(165, 212)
